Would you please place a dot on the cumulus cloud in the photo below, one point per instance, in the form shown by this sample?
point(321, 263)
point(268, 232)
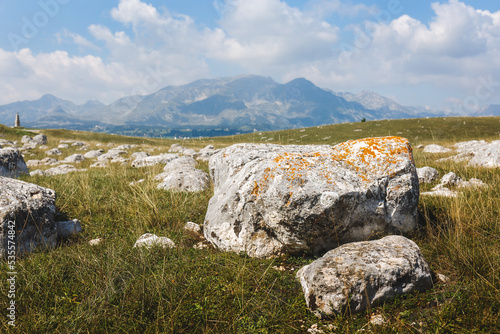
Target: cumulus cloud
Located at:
point(448, 56)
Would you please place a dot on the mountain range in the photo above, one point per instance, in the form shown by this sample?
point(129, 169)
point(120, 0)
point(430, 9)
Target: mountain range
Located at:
point(213, 106)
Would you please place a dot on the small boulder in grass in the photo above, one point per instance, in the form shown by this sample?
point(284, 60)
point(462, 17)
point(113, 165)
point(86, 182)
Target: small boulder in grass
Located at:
point(359, 275)
point(193, 227)
point(149, 240)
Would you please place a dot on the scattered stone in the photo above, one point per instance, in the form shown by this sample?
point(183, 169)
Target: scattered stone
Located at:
point(133, 183)
point(33, 163)
point(75, 158)
point(272, 199)
point(451, 179)
point(63, 146)
point(28, 210)
point(26, 139)
point(121, 160)
point(93, 154)
point(62, 169)
point(95, 242)
point(427, 174)
point(99, 164)
point(40, 139)
point(377, 320)
point(189, 152)
point(193, 227)
point(182, 163)
point(66, 229)
point(176, 148)
point(472, 183)
point(149, 240)
point(440, 190)
point(111, 154)
point(433, 148)
point(78, 143)
point(54, 151)
point(125, 147)
point(38, 172)
point(202, 245)
point(207, 152)
point(356, 275)
point(67, 141)
point(49, 161)
point(154, 160)
point(442, 278)
point(190, 180)
point(477, 153)
point(12, 163)
point(137, 155)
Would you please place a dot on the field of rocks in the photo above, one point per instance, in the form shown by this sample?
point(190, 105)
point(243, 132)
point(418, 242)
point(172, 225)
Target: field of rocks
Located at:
point(387, 226)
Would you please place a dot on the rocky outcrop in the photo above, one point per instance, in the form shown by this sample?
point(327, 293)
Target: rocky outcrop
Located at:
point(28, 210)
point(454, 181)
point(273, 199)
point(12, 163)
point(362, 274)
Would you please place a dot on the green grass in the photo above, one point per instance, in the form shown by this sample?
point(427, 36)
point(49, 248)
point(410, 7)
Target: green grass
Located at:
point(78, 288)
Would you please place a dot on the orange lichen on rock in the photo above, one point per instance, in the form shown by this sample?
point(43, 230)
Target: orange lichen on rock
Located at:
point(368, 158)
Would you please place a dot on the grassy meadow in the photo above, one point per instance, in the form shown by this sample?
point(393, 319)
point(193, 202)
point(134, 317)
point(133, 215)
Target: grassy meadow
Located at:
point(112, 287)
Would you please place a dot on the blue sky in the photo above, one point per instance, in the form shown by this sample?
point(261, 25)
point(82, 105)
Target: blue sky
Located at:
point(441, 54)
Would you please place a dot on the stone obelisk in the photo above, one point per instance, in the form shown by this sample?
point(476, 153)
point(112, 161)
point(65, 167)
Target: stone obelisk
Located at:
point(17, 123)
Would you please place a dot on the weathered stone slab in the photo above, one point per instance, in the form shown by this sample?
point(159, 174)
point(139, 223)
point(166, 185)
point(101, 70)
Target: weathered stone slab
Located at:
point(362, 274)
point(28, 210)
point(12, 163)
point(272, 199)
point(149, 240)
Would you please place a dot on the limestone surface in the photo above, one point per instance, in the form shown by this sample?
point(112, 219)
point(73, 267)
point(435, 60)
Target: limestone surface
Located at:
point(12, 163)
point(28, 210)
point(362, 274)
point(272, 199)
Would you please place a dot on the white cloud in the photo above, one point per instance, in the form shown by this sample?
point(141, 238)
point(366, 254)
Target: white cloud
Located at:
point(448, 56)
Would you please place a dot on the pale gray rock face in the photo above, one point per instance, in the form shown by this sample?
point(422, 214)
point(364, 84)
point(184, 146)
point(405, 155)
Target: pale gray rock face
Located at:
point(207, 152)
point(272, 199)
point(427, 174)
point(176, 148)
point(154, 160)
point(74, 158)
point(78, 143)
point(149, 240)
point(111, 154)
point(436, 149)
point(182, 163)
point(31, 208)
point(99, 164)
point(26, 139)
point(193, 227)
point(190, 180)
point(12, 163)
point(63, 146)
point(40, 139)
point(93, 154)
point(362, 274)
point(450, 179)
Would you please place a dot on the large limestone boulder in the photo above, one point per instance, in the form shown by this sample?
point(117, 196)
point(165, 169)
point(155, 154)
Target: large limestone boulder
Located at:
point(12, 163)
point(29, 210)
point(362, 274)
point(272, 199)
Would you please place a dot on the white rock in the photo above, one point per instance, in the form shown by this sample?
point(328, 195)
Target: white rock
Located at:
point(193, 227)
point(272, 199)
point(40, 139)
point(182, 163)
point(93, 154)
point(38, 172)
point(149, 240)
point(95, 242)
point(427, 174)
point(75, 158)
point(357, 275)
point(154, 160)
point(436, 149)
point(440, 190)
point(31, 210)
point(62, 169)
point(54, 151)
point(78, 143)
point(12, 163)
point(190, 180)
point(26, 139)
point(111, 154)
point(99, 164)
point(63, 146)
point(66, 229)
point(451, 179)
point(136, 155)
point(478, 153)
